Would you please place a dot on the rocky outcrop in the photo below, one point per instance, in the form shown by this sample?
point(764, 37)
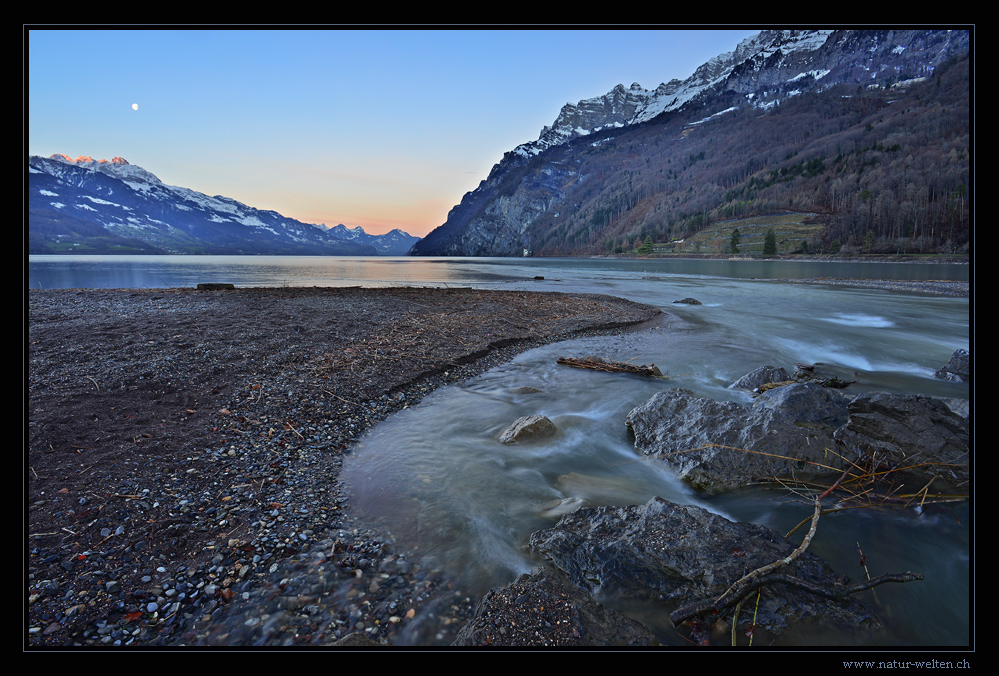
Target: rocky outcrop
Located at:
point(957, 368)
point(678, 554)
point(910, 430)
point(616, 108)
point(716, 445)
point(493, 219)
point(791, 429)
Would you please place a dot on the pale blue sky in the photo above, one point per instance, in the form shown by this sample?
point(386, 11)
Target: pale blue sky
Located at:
point(378, 128)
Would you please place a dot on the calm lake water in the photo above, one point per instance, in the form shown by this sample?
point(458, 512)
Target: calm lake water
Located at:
point(129, 272)
point(439, 480)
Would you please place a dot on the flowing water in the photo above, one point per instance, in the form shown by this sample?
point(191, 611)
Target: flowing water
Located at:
point(437, 477)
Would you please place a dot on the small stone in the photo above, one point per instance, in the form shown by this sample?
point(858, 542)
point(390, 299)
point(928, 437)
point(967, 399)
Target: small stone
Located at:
point(529, 427)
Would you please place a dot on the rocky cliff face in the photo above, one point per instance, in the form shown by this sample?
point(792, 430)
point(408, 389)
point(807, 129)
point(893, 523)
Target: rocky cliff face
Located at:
point(616, 108)
point(494, 219)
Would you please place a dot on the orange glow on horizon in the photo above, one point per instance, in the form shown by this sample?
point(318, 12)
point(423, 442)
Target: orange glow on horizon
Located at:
point(416, 221)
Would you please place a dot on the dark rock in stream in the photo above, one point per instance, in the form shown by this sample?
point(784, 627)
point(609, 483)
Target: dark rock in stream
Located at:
point(789, 431)
point(672, 555)
point(826, 375)
point(760, 377)
point(716, 445)
point(910, 430)
point(957, 368)
point(659, 557)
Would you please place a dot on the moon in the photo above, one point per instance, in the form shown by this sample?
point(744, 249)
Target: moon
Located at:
point(135, 106)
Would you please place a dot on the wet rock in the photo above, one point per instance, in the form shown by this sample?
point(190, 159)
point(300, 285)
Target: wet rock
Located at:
point(912, 430)
point(541, 609)
point(688, 301)
point(679, 554)
point(529, 427)
point(716, 446)
point(785, 428)
point(826, 375)
point(758, 377)
point(958, 367)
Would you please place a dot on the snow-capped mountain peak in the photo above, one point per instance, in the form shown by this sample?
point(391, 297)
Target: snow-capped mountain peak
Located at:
point(117, 167)
point(132, 208)
point(620, 107)
point(393, 243)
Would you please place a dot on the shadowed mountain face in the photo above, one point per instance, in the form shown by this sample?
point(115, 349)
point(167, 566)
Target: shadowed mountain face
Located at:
point(865, 133)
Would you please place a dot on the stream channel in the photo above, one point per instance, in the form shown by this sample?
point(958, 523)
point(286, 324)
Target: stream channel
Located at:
point(438, 478)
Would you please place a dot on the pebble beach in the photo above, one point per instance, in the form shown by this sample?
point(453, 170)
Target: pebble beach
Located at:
point(184, 448)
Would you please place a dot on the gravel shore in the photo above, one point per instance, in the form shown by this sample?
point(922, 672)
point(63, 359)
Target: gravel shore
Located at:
point(928, 287)
point(184, 447)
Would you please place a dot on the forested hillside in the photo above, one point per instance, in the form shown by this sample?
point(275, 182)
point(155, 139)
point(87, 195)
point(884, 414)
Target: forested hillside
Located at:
point(885, 170)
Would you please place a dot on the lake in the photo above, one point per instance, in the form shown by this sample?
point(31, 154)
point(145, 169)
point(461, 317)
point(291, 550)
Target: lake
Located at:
point(59, 272)
point(439, 463)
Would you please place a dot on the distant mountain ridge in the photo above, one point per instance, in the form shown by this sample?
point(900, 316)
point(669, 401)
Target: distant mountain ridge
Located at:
point(395, 242)
point(84, 205)
point(663, 163)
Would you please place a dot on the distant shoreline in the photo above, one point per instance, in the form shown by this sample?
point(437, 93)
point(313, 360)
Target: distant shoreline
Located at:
point(930, 287)
point(873, 258)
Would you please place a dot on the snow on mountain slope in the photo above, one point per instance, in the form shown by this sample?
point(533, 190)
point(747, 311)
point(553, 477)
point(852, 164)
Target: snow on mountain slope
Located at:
point(127, 202)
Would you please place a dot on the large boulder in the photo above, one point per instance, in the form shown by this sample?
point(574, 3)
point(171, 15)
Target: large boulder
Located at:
point(789, 431)
point(678, 554)
point(912, 431)
point(715, 446)
point(541, 609)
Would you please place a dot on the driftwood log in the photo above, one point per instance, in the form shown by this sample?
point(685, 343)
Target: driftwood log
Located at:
point(598, 364)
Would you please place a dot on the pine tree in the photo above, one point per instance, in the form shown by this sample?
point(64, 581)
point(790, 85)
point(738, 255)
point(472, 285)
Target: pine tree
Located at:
point(646, 247)
point(734, 244)
point(770, 243)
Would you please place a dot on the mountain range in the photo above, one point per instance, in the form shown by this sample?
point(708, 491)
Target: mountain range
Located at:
point(84, 205)
point(839, 141)
point(864, 135)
